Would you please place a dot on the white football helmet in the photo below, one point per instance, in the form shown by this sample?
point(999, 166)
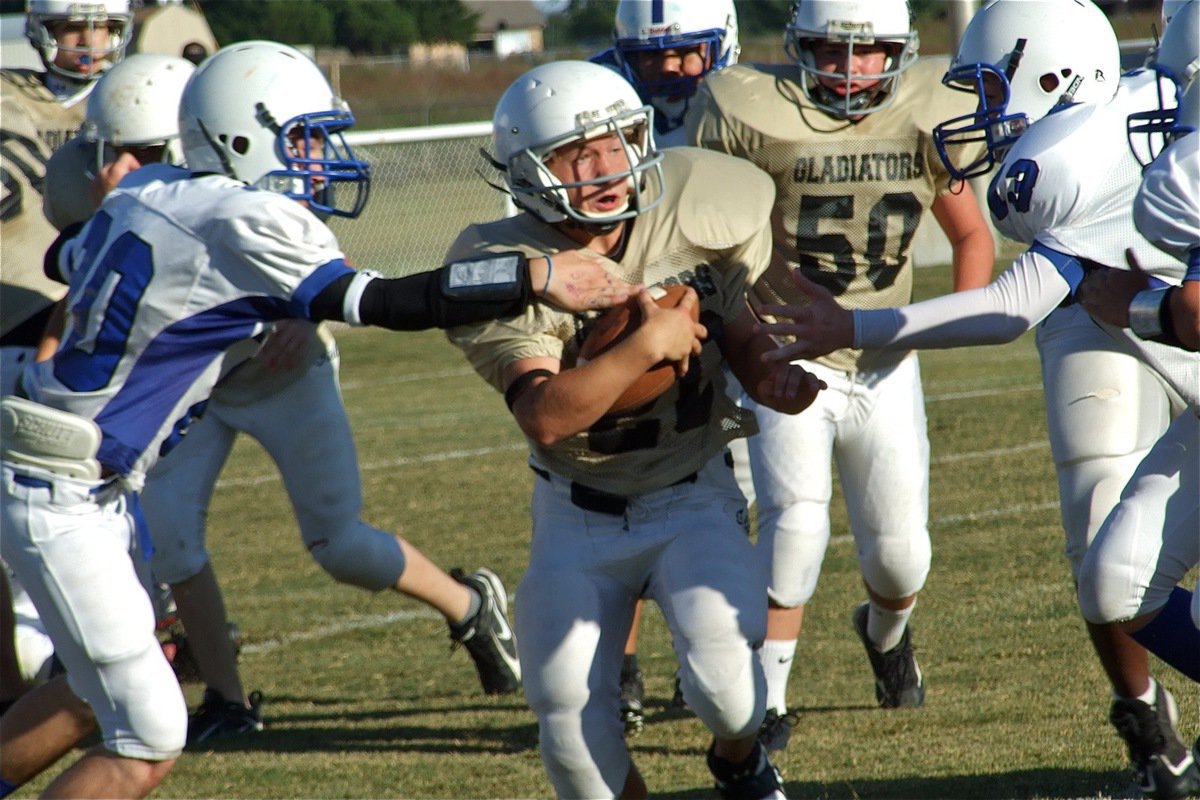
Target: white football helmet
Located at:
point(1035, 54)
point(568, 101)
point(238, 110)
point(1176, 62)
point(136, 104)
point(649, 26)
point(42, 15)
point(853, 23)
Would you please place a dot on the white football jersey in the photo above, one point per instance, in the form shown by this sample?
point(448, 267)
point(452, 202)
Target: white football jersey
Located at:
point(1065, 188)
point(171, 274)
point(1167, 208)
point(1067, 184)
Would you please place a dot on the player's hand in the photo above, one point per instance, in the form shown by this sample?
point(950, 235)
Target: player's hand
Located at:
point(578, 282)
point(109, 176)
point(670, 333)
point(789, 388)
point(286, 344)
point(814, 329)
point(1106, 292)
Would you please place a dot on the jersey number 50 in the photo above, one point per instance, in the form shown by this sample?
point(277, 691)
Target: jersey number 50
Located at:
point(881, 270)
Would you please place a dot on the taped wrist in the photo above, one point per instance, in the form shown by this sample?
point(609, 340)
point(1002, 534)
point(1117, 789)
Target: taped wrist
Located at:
point(1150, 316)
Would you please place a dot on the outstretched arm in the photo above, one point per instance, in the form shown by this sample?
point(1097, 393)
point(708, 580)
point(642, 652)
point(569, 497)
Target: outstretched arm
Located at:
point(487, 287)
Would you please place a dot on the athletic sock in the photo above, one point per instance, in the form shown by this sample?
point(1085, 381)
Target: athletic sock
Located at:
point(472, 610)
point(776, 656)
point(885, 626)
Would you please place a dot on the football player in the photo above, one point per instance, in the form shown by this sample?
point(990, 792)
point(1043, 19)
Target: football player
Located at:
point(641, 502)
point(1146, 546)
point(845, 132)
point(665, 49)
point(169, 283)
point(1064, 185)
point(293, 378)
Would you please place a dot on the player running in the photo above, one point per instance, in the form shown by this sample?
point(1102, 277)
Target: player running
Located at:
point(642, 502)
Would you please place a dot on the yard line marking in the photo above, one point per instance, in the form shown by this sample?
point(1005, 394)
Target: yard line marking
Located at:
point(952, 458)
point(379, 620)
point(937, 398)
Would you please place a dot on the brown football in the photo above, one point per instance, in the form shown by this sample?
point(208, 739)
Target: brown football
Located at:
point(616, 324)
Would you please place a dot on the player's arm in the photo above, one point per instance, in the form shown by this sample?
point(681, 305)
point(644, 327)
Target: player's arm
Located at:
point(486, 287)
point(974, 250)
point(551, 404)
point(785, 387)
point(998, 313)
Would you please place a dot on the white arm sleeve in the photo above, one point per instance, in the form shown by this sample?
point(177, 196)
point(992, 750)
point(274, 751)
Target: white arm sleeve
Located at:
point(1023, 295)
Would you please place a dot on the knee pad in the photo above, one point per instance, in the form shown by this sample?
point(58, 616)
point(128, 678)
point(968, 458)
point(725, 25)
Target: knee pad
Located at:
point(896, 566)
point(723, 685)
point(145, 716)
point(360, 556)
point(794, 539)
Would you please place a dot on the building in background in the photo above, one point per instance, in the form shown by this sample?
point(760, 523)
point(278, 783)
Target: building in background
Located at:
point(507, 27)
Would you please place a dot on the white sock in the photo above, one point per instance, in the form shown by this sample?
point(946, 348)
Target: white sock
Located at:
point(1146, 697)
point(885, 627)
point(776, 656)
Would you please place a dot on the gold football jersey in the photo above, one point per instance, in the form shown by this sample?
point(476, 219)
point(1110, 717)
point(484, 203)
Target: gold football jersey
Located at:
point(711, 232)
point(848, 196)
point(34, 124)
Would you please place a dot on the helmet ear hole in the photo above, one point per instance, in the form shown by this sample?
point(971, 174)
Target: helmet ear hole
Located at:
point(240, 145)
point(1048, 82)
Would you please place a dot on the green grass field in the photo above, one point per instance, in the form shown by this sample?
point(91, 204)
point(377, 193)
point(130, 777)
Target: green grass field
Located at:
point(364, 699)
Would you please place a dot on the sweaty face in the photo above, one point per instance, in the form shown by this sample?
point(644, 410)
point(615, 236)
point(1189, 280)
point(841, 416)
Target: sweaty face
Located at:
point(593, 160)
point(82, 46)
point(868, 59)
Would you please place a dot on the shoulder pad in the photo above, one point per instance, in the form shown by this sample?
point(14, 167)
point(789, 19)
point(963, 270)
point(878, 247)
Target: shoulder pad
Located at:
point(723, 201)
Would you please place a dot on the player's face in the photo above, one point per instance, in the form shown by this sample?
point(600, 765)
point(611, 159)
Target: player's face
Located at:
point(81, 46)
point(671, 63)
point(835, 57)
point(589, 160)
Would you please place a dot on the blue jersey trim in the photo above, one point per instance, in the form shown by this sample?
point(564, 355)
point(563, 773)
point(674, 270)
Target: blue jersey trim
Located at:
point(1193, 265)
point(1070, 267)
point(314, 284)
point(167, 368)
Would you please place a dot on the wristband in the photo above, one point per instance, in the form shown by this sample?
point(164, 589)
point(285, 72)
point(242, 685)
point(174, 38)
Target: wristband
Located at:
point(353, 296)
point(1146, 312)
point(549, 272)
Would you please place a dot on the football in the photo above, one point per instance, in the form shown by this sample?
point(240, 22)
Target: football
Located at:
point(614, 326)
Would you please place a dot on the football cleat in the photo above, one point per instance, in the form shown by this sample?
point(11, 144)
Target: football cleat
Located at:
point(488, 637)
point(898, 680)
point(218, 718)
point(776, 728)
point(633, 694)
point(758, 781)
point(1163, 767)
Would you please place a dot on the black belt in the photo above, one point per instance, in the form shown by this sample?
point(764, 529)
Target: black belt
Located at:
point(599, 501)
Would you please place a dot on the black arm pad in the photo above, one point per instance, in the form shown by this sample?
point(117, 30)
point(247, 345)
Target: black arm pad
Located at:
point(418, 302)
point(50, 262)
